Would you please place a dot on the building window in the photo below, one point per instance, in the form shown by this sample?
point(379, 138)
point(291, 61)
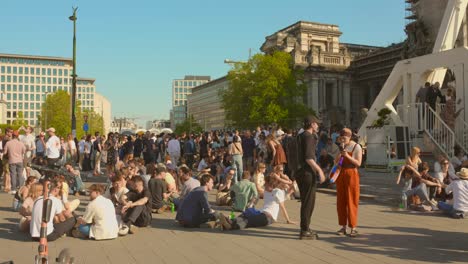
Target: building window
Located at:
point(20, 88)
point(55, 72)
point(15, 79)
point(26, 71)
point(8, 69)
point(49, 72)
point(20, 70)
point(3, 69)
point(15, 70)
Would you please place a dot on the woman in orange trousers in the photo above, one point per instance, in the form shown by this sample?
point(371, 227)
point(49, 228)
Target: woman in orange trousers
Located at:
point(347, 184)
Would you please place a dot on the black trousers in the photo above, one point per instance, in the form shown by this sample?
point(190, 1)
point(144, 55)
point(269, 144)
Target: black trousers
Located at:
point(138, 216)
point(307, 183)
point(61, 228)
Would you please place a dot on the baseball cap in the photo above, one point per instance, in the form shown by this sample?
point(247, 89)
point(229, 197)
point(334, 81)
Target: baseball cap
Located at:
point(51, 129)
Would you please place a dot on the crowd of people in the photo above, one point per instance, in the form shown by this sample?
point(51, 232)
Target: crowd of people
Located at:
point(445, 188)
point(153, 174)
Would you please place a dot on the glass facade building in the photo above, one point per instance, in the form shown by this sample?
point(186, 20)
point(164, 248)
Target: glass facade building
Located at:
point(181, 88)
point(25, 81)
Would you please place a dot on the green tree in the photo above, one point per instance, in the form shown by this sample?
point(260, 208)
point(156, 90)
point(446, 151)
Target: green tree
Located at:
point(188, 126)
point(56, 113)
point(19, 121)
point(266, 89)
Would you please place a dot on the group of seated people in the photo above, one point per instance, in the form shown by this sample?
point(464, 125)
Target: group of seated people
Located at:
point(446, 189)
point(135, 192)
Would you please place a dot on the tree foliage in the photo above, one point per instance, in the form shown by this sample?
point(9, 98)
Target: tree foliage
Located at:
point(267, 89)
point(56, 113)
point(19, 121)
point(188, 126)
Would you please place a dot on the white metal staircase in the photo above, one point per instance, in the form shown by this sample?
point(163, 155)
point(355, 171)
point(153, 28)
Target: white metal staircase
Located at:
point(421, 118)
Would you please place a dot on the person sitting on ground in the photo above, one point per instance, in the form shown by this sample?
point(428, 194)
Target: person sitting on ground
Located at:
point(459, 159)
point(22, 193)
point(444, 178)
point(136, 211)
point(188, 184)
point(25, 210)
point(195, 208)
point(459, 209)
point(99, 220)
point(61, 221)
point(64, 192)
point(284, 182)
point(274, 201)
point(421, 179)
point(116, 194)
point(168, 179)
point(259, 179)
point(223, 197)
point(243, 193)
point(158, 190)
point(78, 187)
point(438, 166)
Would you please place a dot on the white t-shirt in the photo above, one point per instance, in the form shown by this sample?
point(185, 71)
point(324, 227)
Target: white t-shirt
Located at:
point(202, 165)
point(81, 146)
point(101, 213)
point(173, 147)
point(36, 216)
point(460, 194)
point(29, 142)
point(53, 147)
point(272, 201)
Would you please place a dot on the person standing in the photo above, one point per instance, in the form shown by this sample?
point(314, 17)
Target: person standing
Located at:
point(52, 147)
point(306, 176)
point(173, 148)
point(15, 150)
point(97, 148)
point(29, 142)
point(236, 151)
point(431, 96)
point(347, 184)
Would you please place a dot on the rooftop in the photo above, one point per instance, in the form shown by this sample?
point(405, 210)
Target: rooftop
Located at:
point(19, 56)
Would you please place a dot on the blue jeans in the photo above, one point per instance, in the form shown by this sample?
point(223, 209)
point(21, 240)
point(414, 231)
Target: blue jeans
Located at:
point(238, 166)
point(449, 210)
point(420, 191)
point(16, 174)
point(85, 229)
point(79, 185)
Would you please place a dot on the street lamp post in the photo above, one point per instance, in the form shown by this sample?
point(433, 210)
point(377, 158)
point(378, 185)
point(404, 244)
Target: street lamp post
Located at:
point(73, 122)
point(45, 109)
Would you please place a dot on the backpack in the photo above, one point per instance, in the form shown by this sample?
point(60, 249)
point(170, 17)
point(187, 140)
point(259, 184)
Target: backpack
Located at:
point(295, 153)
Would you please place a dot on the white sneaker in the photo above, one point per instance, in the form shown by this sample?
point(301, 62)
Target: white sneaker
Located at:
point(124, 230)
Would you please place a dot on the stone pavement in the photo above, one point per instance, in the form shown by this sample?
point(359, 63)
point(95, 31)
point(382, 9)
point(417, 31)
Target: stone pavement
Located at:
point(388, 236)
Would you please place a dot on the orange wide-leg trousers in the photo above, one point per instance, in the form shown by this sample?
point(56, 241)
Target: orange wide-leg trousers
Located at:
point(347, 197)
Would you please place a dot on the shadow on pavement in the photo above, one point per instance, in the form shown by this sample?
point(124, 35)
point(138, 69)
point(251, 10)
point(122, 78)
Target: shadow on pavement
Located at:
point(425, 244)
point(265, 232)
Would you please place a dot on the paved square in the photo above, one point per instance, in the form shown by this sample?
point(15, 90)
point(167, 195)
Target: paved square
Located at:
point(388, 236)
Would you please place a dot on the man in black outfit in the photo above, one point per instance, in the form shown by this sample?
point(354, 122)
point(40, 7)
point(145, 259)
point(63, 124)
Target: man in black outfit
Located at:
point(306, 177)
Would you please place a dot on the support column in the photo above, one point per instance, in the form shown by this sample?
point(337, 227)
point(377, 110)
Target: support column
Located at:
point(315, 95)
point(347, 101)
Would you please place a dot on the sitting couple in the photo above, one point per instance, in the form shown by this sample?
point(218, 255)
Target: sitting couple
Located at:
point(274, 198)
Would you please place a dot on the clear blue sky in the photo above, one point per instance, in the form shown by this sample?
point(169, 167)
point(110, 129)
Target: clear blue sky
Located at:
point(135, 48)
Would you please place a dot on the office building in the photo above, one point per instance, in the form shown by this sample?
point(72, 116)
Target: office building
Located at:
point(205, 105)
point(26, 81)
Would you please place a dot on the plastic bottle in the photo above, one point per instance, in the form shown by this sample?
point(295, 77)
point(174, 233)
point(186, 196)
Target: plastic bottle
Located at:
point(232, 215)
point(172, 207)
point(404, 201)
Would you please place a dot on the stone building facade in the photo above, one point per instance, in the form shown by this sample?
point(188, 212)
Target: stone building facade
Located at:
point(316, 48)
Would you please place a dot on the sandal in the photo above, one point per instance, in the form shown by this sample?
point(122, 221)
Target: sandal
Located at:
point(341, 232)
point(353, 233)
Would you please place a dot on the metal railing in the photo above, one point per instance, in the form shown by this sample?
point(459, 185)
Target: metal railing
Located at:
point(461, 133)
point(440, 133)
point(421, 117)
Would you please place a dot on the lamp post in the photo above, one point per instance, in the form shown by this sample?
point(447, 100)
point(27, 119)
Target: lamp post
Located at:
point(73, 122)
point(45, 109)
